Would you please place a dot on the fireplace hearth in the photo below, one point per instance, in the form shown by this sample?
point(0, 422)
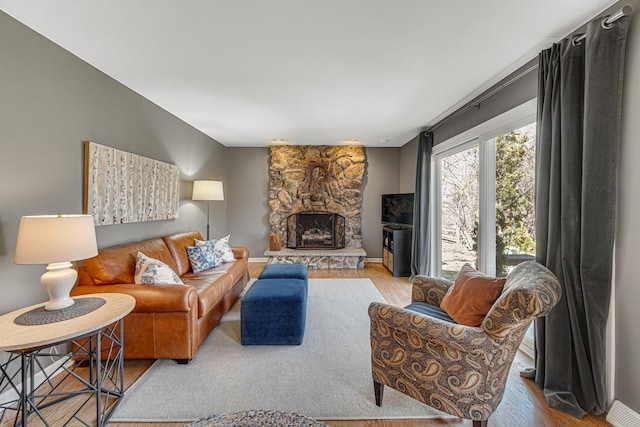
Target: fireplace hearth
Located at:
point(315, 230)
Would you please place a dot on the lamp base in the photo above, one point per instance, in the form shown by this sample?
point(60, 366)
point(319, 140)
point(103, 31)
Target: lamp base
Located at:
point(58, 282)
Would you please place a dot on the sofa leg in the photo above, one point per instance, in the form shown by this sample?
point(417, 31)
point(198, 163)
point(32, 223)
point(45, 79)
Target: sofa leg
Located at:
point(378, 389)
point(183, 361)
point(482, 423)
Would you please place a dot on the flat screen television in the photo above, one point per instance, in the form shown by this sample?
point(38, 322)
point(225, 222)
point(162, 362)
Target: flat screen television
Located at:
point(397, 209)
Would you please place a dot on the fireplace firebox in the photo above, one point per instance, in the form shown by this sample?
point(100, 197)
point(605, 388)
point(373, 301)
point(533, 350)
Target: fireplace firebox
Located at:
point(315, 230)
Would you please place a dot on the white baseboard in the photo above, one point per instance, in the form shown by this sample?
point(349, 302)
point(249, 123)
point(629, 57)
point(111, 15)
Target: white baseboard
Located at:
point(526, 346)
point(374, 260)
point(11, 395)
point(620, 415)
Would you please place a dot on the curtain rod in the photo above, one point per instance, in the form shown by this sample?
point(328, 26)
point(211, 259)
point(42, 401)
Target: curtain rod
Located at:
point(626, 11)
point(476, 103)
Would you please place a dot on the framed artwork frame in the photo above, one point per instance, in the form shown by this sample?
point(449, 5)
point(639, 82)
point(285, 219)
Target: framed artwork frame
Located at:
point(122, 187)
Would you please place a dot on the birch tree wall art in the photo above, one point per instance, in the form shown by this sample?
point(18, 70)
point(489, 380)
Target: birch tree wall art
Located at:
point(122, 187)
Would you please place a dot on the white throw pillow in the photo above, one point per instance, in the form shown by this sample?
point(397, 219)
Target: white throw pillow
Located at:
point(220, 247)
point(150, 271)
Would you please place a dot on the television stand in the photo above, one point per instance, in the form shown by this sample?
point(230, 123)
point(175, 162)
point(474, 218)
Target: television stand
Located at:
point(398, 227)
point(396, 249)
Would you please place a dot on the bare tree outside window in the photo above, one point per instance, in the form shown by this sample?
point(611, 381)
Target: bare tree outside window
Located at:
point(460, 202)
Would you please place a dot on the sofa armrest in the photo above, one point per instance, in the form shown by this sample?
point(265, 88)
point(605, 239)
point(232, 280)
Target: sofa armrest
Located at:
point(149, 298)
point(240, 252)
point(387, 320)
point(429, 289)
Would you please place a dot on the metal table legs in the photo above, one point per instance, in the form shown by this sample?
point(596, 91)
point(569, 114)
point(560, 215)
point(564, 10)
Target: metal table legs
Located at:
point(90, 374)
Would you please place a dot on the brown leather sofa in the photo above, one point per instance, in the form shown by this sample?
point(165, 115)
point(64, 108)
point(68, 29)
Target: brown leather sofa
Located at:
point(169, 321)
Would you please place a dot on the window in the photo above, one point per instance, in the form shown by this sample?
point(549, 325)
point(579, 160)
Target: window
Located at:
point(484, 196)
point(460, 197)
point(514, 198)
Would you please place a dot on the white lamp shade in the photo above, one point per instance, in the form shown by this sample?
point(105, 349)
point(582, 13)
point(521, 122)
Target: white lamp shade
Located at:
point(207, 190)
point(45, 239)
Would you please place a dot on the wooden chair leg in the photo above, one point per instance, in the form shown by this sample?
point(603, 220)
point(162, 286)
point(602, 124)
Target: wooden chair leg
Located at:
point(378, 389)
point(482, 423)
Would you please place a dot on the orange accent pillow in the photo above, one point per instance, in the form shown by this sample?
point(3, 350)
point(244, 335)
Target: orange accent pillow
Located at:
point(471, 296)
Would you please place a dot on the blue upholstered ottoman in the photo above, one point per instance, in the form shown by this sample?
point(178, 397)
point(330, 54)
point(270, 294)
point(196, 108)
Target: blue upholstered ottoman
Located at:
point(274, 312)
point(285, 271)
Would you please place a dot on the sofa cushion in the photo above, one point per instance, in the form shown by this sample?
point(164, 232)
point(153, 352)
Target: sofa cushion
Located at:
point(211, 285)
point(238, 269)
point(150, 271)
point(429, 310)
point(177, 244)
point(118, 263)
point(471, 296)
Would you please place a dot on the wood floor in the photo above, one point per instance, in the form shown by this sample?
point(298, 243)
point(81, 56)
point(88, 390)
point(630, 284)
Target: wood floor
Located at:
point(523, 404)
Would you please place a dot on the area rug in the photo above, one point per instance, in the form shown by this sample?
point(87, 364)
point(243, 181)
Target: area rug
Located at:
point(259, 418)
point(328, 377)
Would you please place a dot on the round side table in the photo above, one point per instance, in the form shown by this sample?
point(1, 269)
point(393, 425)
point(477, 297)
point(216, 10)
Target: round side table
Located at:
point(96, 342)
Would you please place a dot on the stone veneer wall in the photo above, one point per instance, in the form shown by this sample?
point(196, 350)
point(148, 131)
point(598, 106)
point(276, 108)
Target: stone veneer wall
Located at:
point(317, 179)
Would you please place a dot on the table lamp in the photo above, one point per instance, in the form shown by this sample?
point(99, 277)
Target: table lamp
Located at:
point(56, 240)
point(207, 190)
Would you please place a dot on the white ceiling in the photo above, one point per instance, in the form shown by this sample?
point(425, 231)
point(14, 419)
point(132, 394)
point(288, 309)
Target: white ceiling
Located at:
point(246, 72)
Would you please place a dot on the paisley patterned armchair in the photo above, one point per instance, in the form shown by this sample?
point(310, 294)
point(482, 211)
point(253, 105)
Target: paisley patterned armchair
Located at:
point(460, 370)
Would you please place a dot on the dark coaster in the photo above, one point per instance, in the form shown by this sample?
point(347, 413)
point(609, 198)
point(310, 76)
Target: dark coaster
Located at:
point(40, 316)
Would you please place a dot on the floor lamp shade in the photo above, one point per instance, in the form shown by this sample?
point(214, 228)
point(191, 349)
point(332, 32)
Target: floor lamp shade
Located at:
point(207, 190)
point(56, 240)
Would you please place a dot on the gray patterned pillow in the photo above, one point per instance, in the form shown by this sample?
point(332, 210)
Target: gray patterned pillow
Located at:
point(150, 271)
point(202, 258)
point(220, 247)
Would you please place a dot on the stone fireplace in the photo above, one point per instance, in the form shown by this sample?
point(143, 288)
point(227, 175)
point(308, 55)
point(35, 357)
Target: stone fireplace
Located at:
point(323, 180)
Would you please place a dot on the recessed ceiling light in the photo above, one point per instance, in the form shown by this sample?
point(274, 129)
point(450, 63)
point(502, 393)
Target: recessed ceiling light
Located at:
point(384, 141)
point(278, 141)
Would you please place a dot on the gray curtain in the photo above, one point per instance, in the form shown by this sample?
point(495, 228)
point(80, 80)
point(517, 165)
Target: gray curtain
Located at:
point(421, 233)
point(579, 103)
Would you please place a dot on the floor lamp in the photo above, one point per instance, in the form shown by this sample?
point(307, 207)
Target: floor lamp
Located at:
point(207, 190)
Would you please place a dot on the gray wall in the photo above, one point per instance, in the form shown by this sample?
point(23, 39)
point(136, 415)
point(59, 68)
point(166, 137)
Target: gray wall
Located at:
point(383, 171)
point(50, 101)
point(248, 178)
point(408, 163)
point(248, 197)
point(627, 280)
